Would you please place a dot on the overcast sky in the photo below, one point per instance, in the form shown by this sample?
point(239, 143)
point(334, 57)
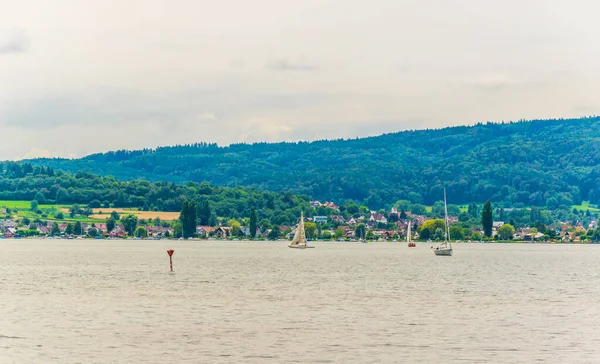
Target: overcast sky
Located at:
point(78, 77)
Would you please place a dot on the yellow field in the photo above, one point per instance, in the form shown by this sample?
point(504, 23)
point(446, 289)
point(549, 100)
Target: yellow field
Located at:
point(146, 215)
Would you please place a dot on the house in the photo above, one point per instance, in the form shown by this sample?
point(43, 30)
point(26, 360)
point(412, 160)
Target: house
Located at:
point(315, 203)
point(378, 218)
point(320, 219)
point(10, 232)
point(222, 232)
point(352, 221)
point(101, 228)
point(204, 231)
point(159, 231)
point(338, 218)
point(331, 205)
point(9, 224)
point(118, 232)
point(246, 230)
point(44, 230)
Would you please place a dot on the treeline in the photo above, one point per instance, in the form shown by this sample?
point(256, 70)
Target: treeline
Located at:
point(530, 163)
point(22, 181)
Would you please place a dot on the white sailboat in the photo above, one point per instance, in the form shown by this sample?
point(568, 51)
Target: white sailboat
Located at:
point(299, 241)
point(445, 248)
point(409, 237)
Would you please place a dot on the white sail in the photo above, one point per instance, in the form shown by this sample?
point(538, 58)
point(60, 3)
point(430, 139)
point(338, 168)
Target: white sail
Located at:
point(446, 247)
point(408, 237)
point(299, 241)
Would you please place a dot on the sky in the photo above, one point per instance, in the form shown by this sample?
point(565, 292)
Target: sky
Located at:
point(80, 77)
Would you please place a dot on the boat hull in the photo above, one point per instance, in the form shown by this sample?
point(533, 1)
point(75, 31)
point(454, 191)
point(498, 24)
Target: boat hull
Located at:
point(300, 246)
point(412, 245)
point(443, 252)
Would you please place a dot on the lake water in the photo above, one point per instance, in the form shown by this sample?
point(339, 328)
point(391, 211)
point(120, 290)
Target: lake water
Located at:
point(116, 302)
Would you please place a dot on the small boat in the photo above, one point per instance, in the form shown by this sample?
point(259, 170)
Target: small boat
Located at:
point(445, 248)
point(409, 238)
point(299, 241)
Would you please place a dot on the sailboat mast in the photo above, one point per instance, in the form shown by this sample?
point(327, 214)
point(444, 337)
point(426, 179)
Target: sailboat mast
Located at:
point(446, 217)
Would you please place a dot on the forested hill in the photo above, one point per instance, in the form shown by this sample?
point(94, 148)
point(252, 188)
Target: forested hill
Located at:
point(541, 162)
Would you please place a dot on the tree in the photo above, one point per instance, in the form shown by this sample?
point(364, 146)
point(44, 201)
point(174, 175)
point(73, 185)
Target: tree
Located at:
point(506, 232)
point(253, 223)
point(204, 212)
point(472, 210)
point(236, 228)
point(93, 232)
point(188, 218)
point(141, 232)
point(74, 210)
point(115, 216)
point(310, 228)
point(129, 223)
point(110, 224)
point(274, 233)
point(464, 217)
point(370, 235)
point(55, 229)
point(95, 204)
point(425, 234)
point(487, 219)
point(533, 232)
point(69, 229)
point(339, 232)
point(432, 226)
point(360, 231)
point(77, 228)
point(439, 234)
point(60, 215)
point(40, 198)
point(177, 230)
point(418, 209)
point(34, 205)
point(403, 215)
point(457, 233)
point(62, 196)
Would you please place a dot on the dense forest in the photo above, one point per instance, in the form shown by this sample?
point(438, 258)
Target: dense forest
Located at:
point(532, 163)
point(22, 181)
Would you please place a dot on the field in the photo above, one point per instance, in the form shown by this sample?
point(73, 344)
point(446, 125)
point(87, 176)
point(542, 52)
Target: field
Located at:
point(146, 215)
point(585, 206)
point(99, 215)
point(22, 205)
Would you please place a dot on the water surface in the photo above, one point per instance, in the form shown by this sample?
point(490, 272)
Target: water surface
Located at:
point(116, 302)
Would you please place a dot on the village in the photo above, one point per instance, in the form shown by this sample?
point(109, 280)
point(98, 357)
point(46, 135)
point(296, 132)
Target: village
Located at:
point(366, 226)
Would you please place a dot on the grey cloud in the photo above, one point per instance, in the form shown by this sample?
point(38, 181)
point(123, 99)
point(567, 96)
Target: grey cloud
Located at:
point(14, 41)
point(286, 65)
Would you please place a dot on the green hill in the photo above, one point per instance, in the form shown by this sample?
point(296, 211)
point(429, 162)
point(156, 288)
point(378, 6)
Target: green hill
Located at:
point(541, 162)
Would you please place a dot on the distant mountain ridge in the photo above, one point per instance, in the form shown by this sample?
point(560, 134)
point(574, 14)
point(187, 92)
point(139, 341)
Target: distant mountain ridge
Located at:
point(540, 162)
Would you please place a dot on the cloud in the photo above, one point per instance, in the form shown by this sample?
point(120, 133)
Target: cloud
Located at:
point(37, 153)
point(286, 65)
point(493, 82)
point(13, 41)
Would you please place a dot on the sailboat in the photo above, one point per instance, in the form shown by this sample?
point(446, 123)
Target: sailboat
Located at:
point(445, 248)
point(299, 241)
point(409, 237)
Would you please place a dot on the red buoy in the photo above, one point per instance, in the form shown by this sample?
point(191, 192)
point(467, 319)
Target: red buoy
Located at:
point(171, 252)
